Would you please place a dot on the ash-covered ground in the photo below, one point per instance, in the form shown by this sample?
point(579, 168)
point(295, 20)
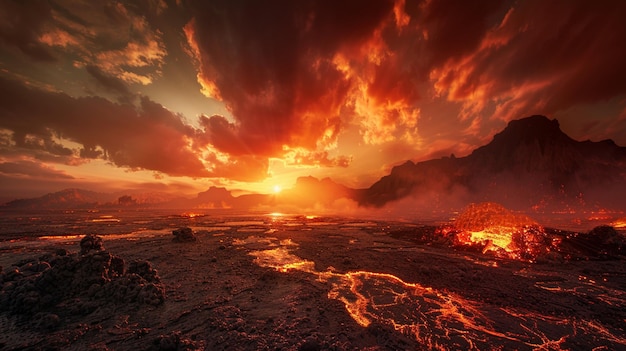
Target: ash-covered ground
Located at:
point(159, 281)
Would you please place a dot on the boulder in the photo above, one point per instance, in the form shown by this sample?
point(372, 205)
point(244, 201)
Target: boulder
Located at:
point(59, 284)
point(184, 234)
point(91, 243)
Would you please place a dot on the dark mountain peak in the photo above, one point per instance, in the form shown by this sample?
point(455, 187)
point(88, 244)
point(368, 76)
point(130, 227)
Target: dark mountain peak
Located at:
point(530, 159)
point(535, 121)
point(530, 144)
point(531, 129)
point(214, 190)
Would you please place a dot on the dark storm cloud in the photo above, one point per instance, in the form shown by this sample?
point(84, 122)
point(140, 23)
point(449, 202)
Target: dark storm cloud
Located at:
point(272, 64)
point(32, 169)
point(544, 56)
point(295, 73)
point(308, 81)
point(111, 39)
point(22, 24)
point(148, 137)
point(109, 82)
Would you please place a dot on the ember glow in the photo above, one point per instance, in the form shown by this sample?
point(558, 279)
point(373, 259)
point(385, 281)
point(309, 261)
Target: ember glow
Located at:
point(499, 231)
point(438, 319)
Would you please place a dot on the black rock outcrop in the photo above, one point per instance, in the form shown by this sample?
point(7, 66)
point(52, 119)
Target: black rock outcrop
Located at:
point(63, 284)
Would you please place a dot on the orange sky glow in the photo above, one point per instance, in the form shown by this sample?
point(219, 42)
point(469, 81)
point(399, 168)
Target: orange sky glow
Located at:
point(179, 96)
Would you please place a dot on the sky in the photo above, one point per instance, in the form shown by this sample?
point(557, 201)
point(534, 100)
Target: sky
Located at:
point(178, 96)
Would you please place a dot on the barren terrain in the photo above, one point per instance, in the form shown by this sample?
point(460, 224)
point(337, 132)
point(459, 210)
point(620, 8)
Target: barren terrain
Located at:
point(278, 282)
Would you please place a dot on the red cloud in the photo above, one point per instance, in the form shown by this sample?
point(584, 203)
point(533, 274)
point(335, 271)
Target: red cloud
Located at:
point(294, 74)
point(543, 57)
point(22, 25)
point(32, 169)
point(273, 64)
point(109, 38)
point(246, 168)
point(148, 137)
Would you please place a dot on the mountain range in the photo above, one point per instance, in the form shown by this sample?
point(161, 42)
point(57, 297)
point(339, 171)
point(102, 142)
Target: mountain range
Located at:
point(530, 165)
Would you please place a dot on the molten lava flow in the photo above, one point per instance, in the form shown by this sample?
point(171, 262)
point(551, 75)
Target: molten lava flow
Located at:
point(437, 319)
point(192, 214)
point(60, 237)
point(282, 260)
point(422, 312)
point(496, 229)
point(105, 219)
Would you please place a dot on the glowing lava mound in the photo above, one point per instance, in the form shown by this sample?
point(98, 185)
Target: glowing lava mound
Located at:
point(494, 229)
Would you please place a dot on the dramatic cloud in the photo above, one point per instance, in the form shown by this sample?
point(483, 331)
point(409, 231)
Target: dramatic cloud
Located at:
point(316, 158)
point(22, 25)
point(110, 83)
point(295, 74)
point(543, 56)
point(147, 137)
point(304, 84)
point(32, 169)
point(275, 66)
point(109, 38)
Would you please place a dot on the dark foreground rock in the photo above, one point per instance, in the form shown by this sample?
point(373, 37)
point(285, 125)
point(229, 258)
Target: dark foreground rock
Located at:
point(184, 235)
point(91, 243)
point(174, 342)
point(57, 286)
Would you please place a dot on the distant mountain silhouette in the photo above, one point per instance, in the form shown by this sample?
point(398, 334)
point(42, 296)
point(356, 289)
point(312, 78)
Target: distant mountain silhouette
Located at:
point(214, 197)
point(309, 191)
point(79, 198)
point(67, 198)
point(531, 163)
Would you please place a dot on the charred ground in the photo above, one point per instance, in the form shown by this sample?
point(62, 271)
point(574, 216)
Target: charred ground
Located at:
point(298, 283)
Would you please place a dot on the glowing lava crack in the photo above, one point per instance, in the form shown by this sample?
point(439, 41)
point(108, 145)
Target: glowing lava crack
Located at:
point(437, 319)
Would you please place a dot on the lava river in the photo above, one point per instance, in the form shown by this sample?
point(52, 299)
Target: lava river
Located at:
point(437, 319)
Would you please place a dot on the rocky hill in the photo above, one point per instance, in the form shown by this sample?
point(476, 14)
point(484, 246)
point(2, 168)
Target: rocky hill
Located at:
point(531, 163)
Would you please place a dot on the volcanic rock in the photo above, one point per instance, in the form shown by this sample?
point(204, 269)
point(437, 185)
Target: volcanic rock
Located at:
point(89, 243)
point(606, 240)
point(532, 242)
point(184, 234)
point(173, 342)
point(47, 321)
point(58, 284)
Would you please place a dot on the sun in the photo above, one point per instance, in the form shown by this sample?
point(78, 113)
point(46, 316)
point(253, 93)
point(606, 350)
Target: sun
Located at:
point(277, 189)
